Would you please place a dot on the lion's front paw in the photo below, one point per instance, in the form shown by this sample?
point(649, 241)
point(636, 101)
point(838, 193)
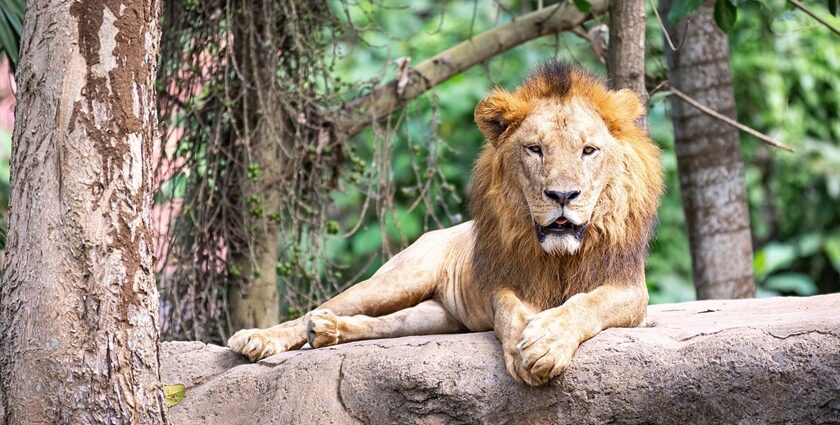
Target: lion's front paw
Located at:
point(258, 344)
point(323, 328)
point(546, 349)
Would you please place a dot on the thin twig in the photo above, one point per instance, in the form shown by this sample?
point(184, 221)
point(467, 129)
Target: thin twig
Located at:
point(810, 12)
point(665, 30)
point(656, 89)
point(760, 136)
point(662, 26)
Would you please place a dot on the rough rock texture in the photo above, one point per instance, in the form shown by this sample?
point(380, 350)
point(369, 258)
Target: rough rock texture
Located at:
point(746, 361)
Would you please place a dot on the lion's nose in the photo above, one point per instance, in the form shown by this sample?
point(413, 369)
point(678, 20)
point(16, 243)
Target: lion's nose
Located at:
point(561, 197)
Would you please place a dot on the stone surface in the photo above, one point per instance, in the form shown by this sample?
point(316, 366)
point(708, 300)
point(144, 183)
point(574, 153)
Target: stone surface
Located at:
point(748, 361)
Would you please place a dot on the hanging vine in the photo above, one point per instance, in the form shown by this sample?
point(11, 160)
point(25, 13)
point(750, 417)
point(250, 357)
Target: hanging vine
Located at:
point(250, 158)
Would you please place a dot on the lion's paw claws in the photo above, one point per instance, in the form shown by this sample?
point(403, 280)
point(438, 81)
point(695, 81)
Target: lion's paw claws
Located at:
point(256, 344)
point(322, 328)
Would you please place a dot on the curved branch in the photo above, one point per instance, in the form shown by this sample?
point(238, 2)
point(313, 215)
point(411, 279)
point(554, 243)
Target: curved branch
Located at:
point(726, 120)
point(811, 13)
point(383, 100)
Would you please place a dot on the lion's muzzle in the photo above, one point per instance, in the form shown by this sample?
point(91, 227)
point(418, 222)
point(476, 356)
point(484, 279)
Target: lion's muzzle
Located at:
point(560, 227)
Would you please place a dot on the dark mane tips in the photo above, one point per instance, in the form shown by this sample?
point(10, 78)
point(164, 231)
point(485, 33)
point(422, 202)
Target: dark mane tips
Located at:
point(551, 78)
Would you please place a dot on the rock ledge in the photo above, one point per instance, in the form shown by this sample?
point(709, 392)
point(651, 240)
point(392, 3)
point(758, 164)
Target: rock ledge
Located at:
point(748, 361)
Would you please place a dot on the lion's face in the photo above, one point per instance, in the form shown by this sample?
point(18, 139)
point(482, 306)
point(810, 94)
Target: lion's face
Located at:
point(562, 156)
point(566, 163)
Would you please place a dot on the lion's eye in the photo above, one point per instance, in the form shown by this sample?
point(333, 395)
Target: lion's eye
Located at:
point(535, 149)
point(589, 150)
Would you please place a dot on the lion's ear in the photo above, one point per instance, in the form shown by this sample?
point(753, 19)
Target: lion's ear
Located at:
point(497, 113)
point(626, 105)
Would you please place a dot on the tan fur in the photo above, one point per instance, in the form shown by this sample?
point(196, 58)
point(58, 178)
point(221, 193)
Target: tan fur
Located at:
point(542, 298)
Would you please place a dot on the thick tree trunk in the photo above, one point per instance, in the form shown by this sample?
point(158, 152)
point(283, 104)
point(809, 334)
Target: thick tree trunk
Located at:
point(78, 303)
point(253, 299)
point(709, 159)
point(626, 49)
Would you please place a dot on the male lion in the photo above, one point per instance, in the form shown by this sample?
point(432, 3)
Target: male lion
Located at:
point(563, 201)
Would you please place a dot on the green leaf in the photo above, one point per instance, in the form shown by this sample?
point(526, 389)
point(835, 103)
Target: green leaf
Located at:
point(11, 23)
point(367, 240)
point(683, 8)
point(774, 256)
point(174, 394)
point(583, 5)
point(832, 250)
point(796, 283)
point(15, 20)
point(725, 14)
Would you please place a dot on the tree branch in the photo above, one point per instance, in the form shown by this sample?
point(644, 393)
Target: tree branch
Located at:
point(760, 136)
point(811, 13)
point(383, 100)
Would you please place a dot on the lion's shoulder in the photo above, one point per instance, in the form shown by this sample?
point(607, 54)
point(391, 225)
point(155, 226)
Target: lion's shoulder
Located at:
point(435, 249)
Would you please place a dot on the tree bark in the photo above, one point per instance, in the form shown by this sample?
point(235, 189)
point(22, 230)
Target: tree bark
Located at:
point(78, 303)
point(626, 48)
point(253, 298)
point(709, 161)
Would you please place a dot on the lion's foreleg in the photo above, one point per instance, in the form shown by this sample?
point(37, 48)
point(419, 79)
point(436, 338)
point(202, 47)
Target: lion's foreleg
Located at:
point(510, 316)
point(384, 293)
point(428, 317)
point(551, 337)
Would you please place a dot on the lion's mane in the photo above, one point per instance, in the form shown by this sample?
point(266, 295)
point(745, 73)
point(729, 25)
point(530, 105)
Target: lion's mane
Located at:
point(507, 253)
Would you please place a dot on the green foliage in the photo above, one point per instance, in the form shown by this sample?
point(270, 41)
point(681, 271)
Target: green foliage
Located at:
point(795, 96)
point(11, 26)
point(583, 5)
point(174, 394)
point(669, 264)
point(725, 14)
point(682, 8)
point(725, 11)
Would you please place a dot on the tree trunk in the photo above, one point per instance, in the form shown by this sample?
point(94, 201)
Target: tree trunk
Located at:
point(709, 159)
point(626, 49)
point(253, 299)
point(78, 302)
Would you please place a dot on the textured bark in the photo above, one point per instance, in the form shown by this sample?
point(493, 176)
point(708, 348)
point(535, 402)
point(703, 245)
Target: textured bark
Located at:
point(709, 161)
point(763, 361)
point(78, 302)
point(626, 49)
point(253, 299)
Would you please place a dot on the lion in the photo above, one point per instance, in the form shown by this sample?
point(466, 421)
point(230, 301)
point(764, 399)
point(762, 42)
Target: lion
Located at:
point(563, 203)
